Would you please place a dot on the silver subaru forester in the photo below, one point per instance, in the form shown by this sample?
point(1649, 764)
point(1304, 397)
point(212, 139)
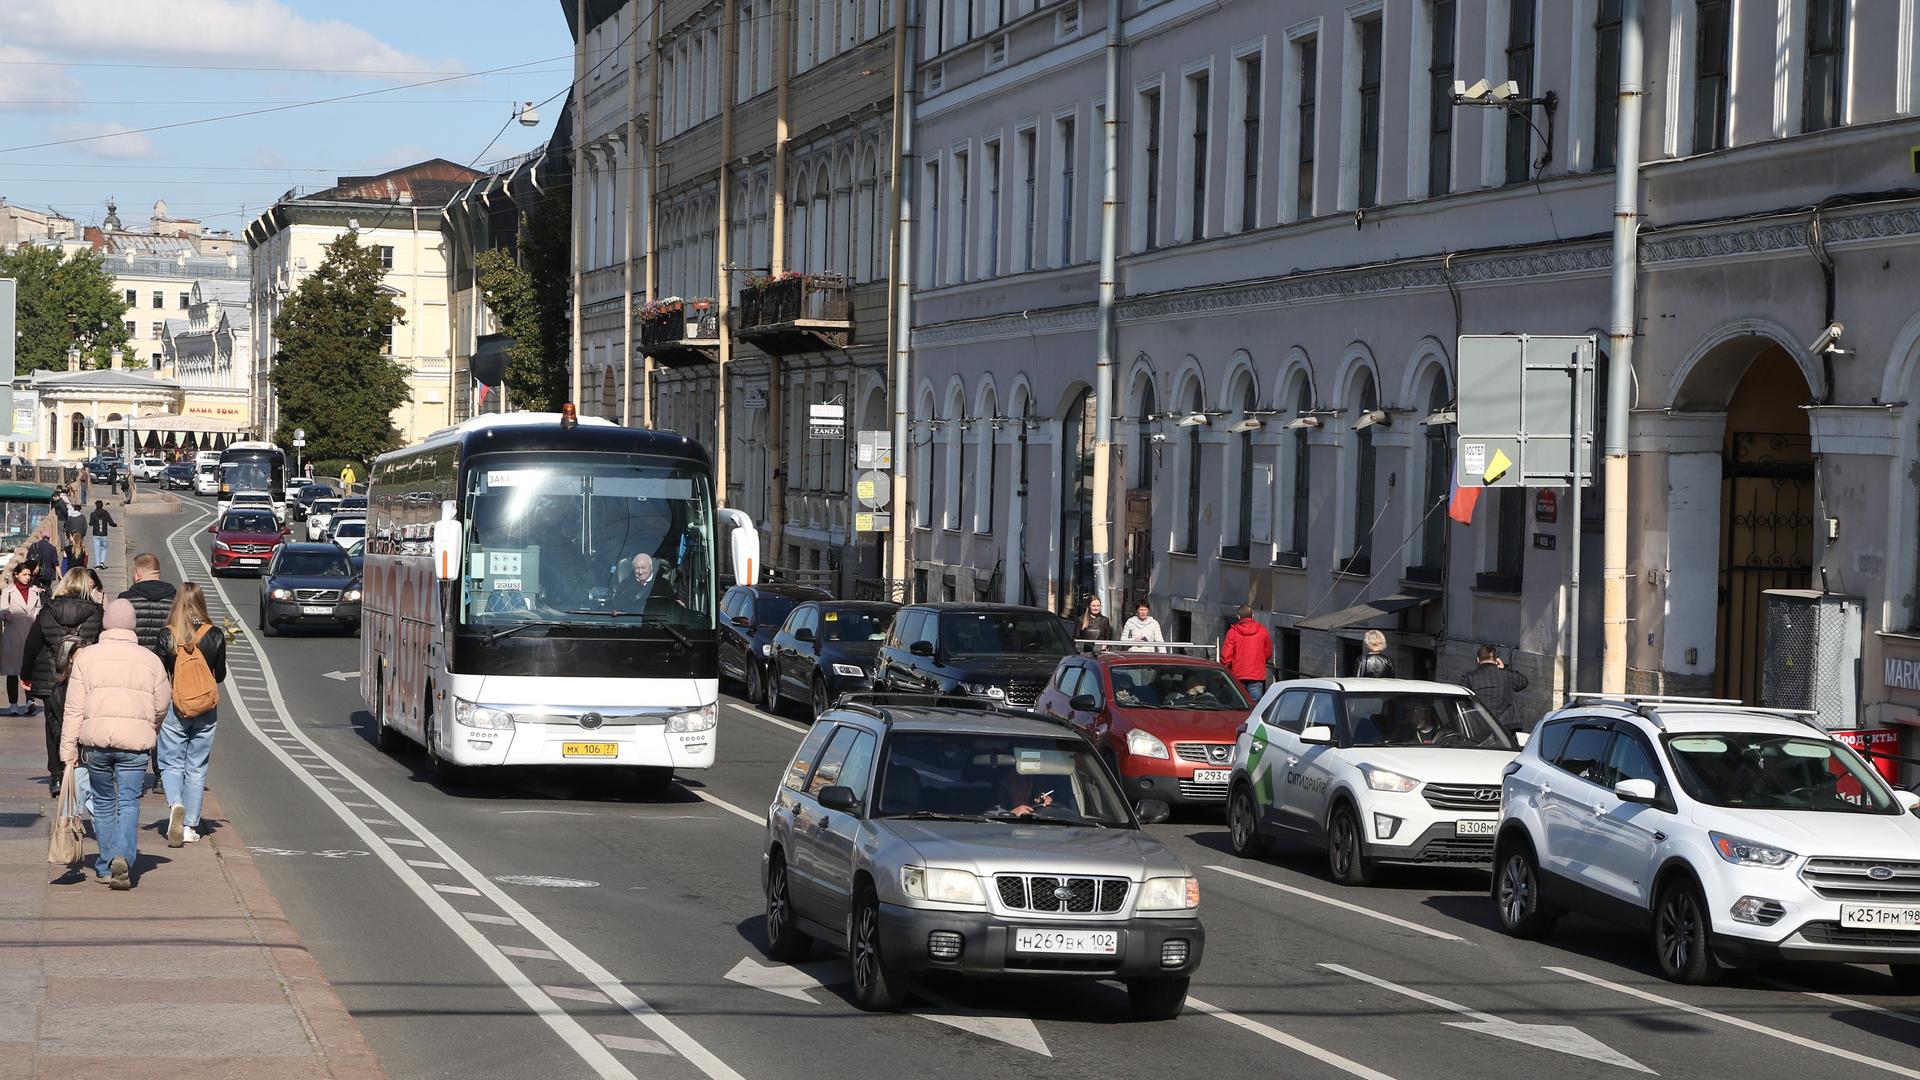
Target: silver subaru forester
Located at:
point(932, 836)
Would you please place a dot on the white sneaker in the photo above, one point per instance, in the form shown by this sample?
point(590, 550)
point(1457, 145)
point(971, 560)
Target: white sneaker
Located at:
point(176, 825)
point(188, 836)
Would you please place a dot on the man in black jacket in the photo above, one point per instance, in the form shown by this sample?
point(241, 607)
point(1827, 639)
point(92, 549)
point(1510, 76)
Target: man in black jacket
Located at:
point(1494, 683)
point(152, 599)
point(47, 557)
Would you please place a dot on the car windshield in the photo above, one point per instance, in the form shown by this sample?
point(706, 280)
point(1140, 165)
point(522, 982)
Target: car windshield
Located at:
point(1758, 771)
point(351, 527)
point(1175, 686)
point(1052, 779)
point(315, 564)
point(854, 624)
point(1445, 720)
point(356, 502)
point(260, 522)
point(984, 633)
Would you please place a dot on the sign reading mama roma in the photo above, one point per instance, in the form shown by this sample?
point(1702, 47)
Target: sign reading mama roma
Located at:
point(212, 410)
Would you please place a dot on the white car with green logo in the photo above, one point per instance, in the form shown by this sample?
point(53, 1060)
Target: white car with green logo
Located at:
point(1370, 771)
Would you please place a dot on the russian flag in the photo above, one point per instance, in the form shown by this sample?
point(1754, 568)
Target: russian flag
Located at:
point(1462, 499)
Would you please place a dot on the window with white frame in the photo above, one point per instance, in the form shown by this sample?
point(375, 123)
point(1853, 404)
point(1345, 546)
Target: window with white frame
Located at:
point(954, 432)
point(1441, 46)
point(1366, 100)
point(1249, 111)
point(1188, 540)
point(935, 267)
point(1520, 71)
point(1066, 150)
point(1712, 73)
point(1096, 179)
point(1437, 461)
point(1826, 43)
point(1299, 475)
point(1026, 162)
point(1306, 122)
point(990, 220)
point(989, 463)
point(961, 256)
point(923, 439)
point(1241, 496)
point(1365, 470)
point(1606, 82)
point(1148, 120)
point(1195, 154)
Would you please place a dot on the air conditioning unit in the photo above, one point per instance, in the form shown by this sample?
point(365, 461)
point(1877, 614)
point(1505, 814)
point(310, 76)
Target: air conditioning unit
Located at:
point(1811, 654)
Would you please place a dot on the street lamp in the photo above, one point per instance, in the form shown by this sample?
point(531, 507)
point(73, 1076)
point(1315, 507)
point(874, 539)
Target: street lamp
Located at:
point(299, 444)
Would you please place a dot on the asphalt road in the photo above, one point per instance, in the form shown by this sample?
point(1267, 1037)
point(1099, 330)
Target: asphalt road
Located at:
point(546, 924)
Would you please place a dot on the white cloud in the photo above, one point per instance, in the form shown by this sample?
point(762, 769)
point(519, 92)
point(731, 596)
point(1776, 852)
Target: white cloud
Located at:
point(253, 33)
point(24, 85)
point(105, 140)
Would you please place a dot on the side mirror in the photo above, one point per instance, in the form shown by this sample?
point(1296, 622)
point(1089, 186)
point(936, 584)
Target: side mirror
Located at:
point(742, 621)
point(921, 648)
point(1083, 703)
point(838, 797)
point(1520, 738)
point(1317, 735)
point(1152, 811)
point(447, 544)
point(213, 528)
point(805, 633)
point(1637, 791)
point(1909, 800)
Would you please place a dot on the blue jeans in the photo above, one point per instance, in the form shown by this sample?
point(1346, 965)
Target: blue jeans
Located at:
point(1255, 687)
point(99, 551)
point(186, 746)
point(115, 776)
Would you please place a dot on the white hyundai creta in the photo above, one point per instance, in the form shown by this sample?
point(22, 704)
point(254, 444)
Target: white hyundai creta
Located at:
point(1734, 835)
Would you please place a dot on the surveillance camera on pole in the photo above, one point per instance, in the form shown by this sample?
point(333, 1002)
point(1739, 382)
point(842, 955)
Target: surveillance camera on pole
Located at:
point(527, 115)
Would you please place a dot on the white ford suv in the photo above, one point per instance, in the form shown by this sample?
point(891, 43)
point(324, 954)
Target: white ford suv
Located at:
point(1736, 835)
point(1371, 771)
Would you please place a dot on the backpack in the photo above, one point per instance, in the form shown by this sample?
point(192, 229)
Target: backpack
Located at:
point(63, 654)
point(194, 690)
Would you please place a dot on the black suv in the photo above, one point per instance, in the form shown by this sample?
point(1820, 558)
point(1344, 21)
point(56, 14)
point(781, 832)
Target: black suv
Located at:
point(826, 649)
point(749, 617)
point(999, 651)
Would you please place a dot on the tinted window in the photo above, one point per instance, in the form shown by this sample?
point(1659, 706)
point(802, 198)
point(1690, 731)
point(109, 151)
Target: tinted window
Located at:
point(258, 522)
point(1552, 738)
point(857, 770)
point(1632, 759)
point(915, 630)
point(769, 610)
point(1291, 711)
point(833, 762)
point(855, 624)
point(986, 633)
point(1421, 720)
point(313, 563)
point(796, 779)
point(1585, 755)
point(972, 775)
point(1764, 771)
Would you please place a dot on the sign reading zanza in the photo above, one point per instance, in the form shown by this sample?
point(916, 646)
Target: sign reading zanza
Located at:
point(1903, 674)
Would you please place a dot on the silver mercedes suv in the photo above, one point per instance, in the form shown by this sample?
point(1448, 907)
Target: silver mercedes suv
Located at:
point(927, 834)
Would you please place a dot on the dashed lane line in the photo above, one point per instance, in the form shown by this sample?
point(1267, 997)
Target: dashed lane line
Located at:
point(1357, 909)
point(780, 721)
point(1292, 1042)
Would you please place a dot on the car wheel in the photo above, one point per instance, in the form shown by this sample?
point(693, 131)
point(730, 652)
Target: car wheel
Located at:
point(821, 700)
point(1157, 999)
point(756, 682)
point(1243, 824)
point(266, 625)
point(1907, 978)
point(1516, 893)
point(774, 704)
point(785, 941)
point(653, 781)
point(1345, 856)
point(876, 987)
point(1680, 935)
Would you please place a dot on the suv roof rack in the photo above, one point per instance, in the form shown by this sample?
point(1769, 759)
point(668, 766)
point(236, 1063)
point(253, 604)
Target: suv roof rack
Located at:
point(878, 703)
point(1646, 704)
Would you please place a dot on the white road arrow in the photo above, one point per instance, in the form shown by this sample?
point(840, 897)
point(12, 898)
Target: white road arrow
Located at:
point(1558, 1037)
point(795, 982)
point(783, 979)
point(342, 676)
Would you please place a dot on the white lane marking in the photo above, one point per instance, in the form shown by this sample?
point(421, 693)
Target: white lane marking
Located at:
point(1292, 1042)
point(757, 819)
point(455, 890)
point(644, 1046)
point(790, 725)
point(787, 980)
point(1863, 1006)
point(378, 821)
point(1557, 1037)
point(571, 994)
point(1342, 904)
point(361, 805)
point(568, 813)
point(545, 881)
point(342, 676)
point(661, 1026)
point(1744, 1025)
point(795, 981)
point(527, 954)
point(428, 864)
point(577, 1038)
point(403, 841)
point(1017, 1031)
point(495, 920)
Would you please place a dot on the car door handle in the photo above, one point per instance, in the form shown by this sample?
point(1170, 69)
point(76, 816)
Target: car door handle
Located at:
point(1293, 760)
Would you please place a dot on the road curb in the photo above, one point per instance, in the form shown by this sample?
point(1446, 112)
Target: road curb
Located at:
point(336, 1037)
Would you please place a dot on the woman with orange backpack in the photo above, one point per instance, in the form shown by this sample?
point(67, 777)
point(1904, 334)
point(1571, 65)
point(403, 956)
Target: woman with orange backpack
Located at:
point(194, 651)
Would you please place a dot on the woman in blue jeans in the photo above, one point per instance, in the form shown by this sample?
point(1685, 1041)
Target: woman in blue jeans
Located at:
point(186, 742)
point(117, 693)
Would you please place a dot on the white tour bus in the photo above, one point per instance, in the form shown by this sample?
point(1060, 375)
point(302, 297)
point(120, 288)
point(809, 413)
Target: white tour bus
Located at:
point(509, 617)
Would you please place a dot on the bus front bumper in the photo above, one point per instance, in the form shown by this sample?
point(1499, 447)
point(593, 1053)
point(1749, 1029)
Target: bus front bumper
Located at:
point(570, 744)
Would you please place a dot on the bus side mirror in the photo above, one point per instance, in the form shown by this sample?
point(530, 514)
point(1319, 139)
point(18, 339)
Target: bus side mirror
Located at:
point(446, 544)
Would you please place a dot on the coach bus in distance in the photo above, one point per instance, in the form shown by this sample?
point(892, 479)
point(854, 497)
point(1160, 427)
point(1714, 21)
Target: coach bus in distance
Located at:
point(255, 466)
point(540, 591)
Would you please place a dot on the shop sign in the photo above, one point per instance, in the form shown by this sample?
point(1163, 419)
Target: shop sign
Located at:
point(1546, 506)
point(1902, 674)
point(1877, 741)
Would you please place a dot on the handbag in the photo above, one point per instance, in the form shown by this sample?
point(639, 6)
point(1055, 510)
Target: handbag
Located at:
point(67, 845)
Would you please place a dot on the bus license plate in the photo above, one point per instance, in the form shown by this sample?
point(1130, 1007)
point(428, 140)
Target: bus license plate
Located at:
point(1080, 942)
point(1474, 828)
point(589, 749)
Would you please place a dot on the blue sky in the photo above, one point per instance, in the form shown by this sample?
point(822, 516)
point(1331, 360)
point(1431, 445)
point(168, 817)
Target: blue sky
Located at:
point(70, 69)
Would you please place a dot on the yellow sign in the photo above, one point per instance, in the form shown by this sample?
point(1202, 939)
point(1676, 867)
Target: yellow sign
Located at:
point(863, 489)
point(1498, 466)
point(863, 523)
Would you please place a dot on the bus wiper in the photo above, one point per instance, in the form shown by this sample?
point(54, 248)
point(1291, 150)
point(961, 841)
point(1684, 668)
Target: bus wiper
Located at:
point(510, 630)
point(653, 623)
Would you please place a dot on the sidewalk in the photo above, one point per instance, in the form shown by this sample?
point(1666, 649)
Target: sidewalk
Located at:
point(196, 972)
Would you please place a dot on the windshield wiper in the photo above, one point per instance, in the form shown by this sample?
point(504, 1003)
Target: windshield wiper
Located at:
point(934, 815)
point(1037, 819)
point(510, 630)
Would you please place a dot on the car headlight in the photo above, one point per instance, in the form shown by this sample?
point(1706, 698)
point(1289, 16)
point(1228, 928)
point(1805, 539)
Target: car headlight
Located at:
point(281, 594)
point(700, 719)
point(1386, 779)
point(470, 715)
point(945, 886)
point(219, 545)
point(851, 671)
point(351, 596)
point(1747, 853)
point(1145, 744)
point(1169, 894)
point(986, 690)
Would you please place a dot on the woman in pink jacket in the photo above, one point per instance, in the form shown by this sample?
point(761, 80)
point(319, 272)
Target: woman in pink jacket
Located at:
point(117, 694)
point(19, 607)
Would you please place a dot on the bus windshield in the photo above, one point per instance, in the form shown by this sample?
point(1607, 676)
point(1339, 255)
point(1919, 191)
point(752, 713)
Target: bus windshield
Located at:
point(253, 470)
point(587, 540)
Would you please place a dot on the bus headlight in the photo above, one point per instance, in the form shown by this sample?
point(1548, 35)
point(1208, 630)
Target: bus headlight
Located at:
point(479, 716)
point(700, 719)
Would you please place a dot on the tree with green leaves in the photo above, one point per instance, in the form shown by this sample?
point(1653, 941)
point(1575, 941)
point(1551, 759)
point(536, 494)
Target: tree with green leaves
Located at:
point(530, 301)
point(333, 375)
point(64, 303)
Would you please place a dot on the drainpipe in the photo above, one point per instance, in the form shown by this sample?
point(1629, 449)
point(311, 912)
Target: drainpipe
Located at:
point(579, 170)
point(900, 259)
point(776, 262)
point(1626, 221)
point(626, 254)
point(653, 158)
point(722, 241)
point(1104, 335)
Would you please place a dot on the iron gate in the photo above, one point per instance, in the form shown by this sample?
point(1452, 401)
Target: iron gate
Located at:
point(1766, 532)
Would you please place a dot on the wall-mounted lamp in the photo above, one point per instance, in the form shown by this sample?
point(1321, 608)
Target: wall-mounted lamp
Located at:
point(1441, 418)
point(1196, 419)
point(1371, 417)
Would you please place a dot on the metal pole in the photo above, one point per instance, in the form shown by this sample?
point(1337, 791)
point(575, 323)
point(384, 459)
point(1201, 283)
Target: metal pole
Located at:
point(626, 254)
point(722, 237)
point(1626, 221)
point(776, 262)
point(653, 159)
point(573, 193)
point(1104, 335)
point(905, 94)
point(1582, 456)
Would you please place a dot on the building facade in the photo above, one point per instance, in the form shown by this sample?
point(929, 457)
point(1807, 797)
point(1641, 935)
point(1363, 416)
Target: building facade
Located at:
point(399, 213)
point(1308, 222)
point(210, 353)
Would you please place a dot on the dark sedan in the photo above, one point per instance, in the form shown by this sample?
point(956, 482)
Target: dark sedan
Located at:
point(749, 617)
point(309, 585)
point(178, 476)
point(825, 649)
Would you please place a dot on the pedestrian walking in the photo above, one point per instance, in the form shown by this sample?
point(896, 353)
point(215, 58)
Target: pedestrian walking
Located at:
point(1093, 626)
point(75, 525)
point(195, 656)
point(347, 478)
point(69, 620)
point(20, 602)
point(1142, 626)
point(45, 558)
point(1495, 684)
point(152, 601)
point(100, 521)
point(1246, 651)
point(1374, 663)
point(117, 696)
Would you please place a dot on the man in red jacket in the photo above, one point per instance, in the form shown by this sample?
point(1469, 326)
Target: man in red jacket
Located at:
point(1246, 650)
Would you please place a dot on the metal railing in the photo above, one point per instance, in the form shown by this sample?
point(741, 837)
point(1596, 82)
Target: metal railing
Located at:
point(1178, 648)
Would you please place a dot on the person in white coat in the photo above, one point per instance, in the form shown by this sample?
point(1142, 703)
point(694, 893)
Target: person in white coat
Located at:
point(19, 608)
point(1142, 626)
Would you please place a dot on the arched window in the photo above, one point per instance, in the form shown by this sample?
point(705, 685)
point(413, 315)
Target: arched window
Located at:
point(1076, 502)
point(845, 221)
point(989, 459)
point(77, 435)
point(1247, 399)
point(606, 392)
point(1143, 465)
point(1439, 485)
point(1190, 524)
point(1300, 480)
point(1365, 400)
